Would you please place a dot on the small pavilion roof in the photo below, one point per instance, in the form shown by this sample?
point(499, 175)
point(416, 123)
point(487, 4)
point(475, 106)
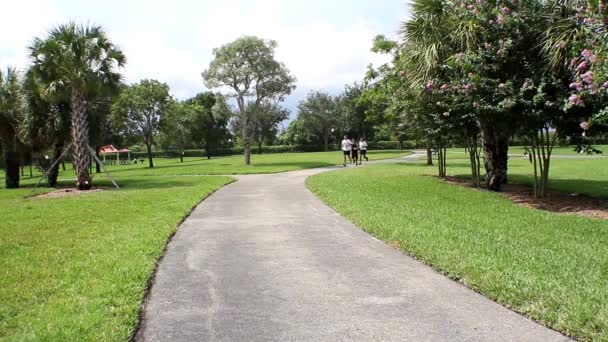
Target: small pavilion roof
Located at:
point(112, 149)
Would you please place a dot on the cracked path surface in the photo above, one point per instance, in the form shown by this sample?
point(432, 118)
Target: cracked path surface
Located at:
point(263, 259)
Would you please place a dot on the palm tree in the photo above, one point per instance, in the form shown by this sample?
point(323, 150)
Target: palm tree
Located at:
point(46, 123)
point(73, 62)
point(11, 112)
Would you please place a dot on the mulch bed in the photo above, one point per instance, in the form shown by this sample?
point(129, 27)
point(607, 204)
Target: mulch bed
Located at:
point(555, 201)
point(69, 191)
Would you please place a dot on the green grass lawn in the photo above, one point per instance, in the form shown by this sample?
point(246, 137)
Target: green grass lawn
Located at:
point(552, 267)
point(75, 268)
point(264, 163)
point(260, 163)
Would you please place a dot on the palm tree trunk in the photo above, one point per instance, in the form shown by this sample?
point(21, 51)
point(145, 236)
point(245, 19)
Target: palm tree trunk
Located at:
point(80, 138)
point(54, 172)
point(11, 161)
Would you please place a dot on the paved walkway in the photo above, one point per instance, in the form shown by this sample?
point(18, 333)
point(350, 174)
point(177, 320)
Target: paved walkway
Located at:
point(263, 259)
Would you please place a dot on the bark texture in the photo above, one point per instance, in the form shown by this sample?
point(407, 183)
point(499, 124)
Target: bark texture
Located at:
point(80, 138)
point(495, 149)
point(54, 172)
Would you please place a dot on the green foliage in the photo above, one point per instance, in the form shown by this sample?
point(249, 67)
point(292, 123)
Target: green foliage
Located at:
point(141, 109)
point(74, 56)
point(12, 111)
point(320, 114)
point(209, 121)
point(247, 66)
point(266, 118)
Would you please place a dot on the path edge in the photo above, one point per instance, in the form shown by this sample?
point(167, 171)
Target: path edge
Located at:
point(141, 312)
point(435, 268)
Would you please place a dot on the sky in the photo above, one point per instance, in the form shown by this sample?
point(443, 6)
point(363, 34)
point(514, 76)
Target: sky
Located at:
point(324, 43)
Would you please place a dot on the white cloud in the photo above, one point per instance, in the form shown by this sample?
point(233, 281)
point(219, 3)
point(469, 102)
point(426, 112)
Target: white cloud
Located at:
point(325, 44)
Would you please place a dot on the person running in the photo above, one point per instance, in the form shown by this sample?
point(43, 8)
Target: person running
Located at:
point(346, 147)
point(355, 152)
point(363, 150)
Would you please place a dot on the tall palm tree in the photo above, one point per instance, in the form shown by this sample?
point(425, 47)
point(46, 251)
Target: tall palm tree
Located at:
point(11, 113)
point(73, 62)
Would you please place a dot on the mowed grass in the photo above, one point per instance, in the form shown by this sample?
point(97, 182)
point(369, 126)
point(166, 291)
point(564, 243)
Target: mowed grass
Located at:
point(552, 267)
point(260, 163)
point(75, 268)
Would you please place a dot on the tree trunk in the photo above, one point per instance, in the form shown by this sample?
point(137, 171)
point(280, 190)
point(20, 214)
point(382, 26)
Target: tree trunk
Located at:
point(495, 149)
point(259, 147)
point(97, 166)
point(429, 155)
point(247, 144)
point(326, 141)
point(11, 161)
point(149, 148)
point(247, 152)
point(207, 150)
point(63, 164)
point(80, 138)
point(54, 172)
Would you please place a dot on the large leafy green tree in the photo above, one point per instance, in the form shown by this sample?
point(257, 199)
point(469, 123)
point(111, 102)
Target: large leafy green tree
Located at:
point(11, 115)
point(248, 67)
point(319, 113)
point(353, 112)
point(211, 115)
point(297, 134)
point(175, 133)
point(140, 109)
point(72, 62)
point(266, 118)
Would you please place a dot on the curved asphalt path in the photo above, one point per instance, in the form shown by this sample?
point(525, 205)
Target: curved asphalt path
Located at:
point(263, 259)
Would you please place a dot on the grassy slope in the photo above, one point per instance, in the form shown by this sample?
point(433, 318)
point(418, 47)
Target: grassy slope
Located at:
point(75, 268)
point(552, 267)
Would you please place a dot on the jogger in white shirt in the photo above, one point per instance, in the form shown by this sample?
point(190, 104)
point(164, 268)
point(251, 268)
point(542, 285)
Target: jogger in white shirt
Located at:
point(347, 145)
point(362, 150)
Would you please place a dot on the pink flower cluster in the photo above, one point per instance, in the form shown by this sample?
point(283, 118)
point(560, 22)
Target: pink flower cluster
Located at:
point(500, 19)
point(430, 85)
point(584, 125)
point(578, 86)
point(575, 100)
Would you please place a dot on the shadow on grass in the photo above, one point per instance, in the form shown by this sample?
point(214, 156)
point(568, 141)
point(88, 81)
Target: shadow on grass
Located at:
point(594, 188)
